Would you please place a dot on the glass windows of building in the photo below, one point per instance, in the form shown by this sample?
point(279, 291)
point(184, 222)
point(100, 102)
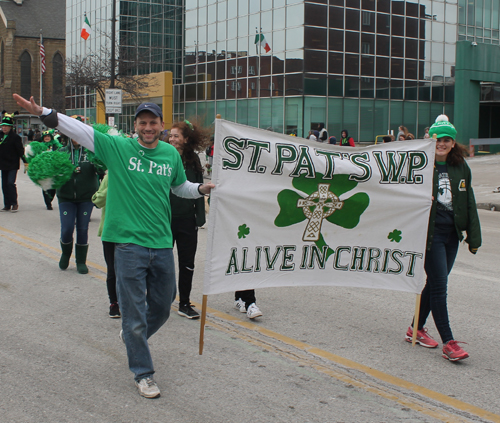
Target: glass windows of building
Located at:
point(478, 20)
point(389, 62)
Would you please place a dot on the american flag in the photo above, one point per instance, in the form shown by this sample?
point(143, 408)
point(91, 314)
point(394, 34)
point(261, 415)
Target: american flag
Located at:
point(42, 57)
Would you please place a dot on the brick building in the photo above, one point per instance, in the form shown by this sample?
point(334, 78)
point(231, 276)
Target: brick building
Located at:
point(21, 22)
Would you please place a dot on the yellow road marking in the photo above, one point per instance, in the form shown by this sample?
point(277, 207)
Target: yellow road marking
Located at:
point(303, 359)
point(384, 377)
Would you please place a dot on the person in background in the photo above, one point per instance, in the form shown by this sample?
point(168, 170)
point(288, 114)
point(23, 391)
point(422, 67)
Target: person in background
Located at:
point(245, 302)
point(187, 214)
point(409, 136)
point(75, 206)
point(209, 153)
point(345, 139)
point(52, 144)
point(402, 131)
point(453, 211)
point(323, 133)
point(426, 133)
point(313, 135)
point(38, 135)
point(332, 140)
point(11, 152)
point(99, 199)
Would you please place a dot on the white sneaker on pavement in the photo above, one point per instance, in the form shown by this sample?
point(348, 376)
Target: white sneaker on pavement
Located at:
point(240, 305)
point(148, 388)
point(253, 311)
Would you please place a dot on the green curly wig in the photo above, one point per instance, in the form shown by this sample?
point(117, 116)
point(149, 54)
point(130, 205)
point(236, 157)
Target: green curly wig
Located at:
point(50, 170)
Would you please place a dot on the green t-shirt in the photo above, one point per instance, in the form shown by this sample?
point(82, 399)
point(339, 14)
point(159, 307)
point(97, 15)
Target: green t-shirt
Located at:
point(138, 205)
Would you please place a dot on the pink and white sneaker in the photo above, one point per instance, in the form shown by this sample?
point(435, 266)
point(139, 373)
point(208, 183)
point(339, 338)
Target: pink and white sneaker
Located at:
point(423, 338)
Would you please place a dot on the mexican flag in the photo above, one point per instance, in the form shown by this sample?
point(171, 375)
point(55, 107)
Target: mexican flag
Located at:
point(260, 39)
point(86, 30)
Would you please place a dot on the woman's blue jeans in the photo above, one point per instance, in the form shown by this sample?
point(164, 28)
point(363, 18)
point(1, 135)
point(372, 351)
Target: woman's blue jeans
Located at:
point(145, 284)
point(438, 264)
point(78, 214)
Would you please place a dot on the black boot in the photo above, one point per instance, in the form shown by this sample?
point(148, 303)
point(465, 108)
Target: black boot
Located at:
point(81, 258)
point(67, 249)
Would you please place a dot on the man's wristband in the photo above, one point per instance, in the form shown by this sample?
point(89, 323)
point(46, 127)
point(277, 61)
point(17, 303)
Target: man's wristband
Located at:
point(50, 120)
point(199, 192)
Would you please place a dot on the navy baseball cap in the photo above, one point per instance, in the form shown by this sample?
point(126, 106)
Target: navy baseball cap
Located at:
point(150, 107)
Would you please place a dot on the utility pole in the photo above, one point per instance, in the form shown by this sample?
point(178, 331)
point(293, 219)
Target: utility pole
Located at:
point(110, 118)
point(113, 42)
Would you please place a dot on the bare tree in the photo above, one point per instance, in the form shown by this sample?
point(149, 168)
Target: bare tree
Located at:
point(94, 72)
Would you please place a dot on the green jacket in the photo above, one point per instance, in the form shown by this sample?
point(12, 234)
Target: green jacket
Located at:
point(83, 184)
point(184, 207)
point(464, 206)
point(99, 199)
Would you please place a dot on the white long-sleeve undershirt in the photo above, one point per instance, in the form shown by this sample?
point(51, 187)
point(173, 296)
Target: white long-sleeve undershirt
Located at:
point(84, 135)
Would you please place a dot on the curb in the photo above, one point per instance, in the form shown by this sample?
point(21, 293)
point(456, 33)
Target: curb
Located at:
point(488, 206)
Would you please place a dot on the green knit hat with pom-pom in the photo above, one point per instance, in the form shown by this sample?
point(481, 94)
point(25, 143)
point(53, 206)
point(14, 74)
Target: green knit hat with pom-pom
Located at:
point(443, 128)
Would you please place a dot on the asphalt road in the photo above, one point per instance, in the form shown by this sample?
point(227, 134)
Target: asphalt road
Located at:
point(318, 354)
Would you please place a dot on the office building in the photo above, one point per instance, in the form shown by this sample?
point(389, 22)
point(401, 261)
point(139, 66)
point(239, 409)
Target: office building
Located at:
point(362, 65)
point(148, 36)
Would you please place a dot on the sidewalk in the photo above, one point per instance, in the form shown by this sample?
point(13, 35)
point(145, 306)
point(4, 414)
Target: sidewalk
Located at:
point(485, 180)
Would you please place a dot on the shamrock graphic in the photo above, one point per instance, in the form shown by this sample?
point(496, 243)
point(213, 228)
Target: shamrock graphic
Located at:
point(243, 231)
point(395, 235)
point(322, 202)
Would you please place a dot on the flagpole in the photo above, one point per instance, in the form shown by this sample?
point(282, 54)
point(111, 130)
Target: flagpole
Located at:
point(258, 49)
point(41, 73)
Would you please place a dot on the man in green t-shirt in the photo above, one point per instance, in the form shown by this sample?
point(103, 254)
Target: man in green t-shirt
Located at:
point(142, 171)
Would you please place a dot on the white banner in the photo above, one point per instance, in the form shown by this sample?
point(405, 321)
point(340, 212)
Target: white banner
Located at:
point(292, 212)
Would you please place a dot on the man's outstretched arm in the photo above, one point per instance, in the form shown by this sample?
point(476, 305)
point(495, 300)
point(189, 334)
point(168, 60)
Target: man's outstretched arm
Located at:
point(76, 130)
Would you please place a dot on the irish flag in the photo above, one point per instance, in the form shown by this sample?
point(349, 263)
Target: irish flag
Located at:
point(260, 39)
point(86, 30)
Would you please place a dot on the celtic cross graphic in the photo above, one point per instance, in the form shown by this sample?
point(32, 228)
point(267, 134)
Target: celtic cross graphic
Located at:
point(323, 203)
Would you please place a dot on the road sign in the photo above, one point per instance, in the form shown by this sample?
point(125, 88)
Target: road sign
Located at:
point(113, 101)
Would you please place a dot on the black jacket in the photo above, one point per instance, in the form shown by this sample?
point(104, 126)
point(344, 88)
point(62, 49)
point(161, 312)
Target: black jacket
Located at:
point(186, 207)
point(83, 183)
point(11, 150)
point(464, 206)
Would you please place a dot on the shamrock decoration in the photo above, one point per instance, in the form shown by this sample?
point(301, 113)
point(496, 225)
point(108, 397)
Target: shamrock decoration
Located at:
point(395, 235)
point(243, 231)
point(321, 202)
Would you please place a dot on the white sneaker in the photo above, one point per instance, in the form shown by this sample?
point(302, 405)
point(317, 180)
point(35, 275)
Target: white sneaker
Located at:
point(253, 311)
point(240, 305)
point(148, 388)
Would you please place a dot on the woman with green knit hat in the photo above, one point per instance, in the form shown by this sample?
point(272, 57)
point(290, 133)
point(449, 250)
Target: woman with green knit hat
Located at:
point(453, 212)
point(52, 145)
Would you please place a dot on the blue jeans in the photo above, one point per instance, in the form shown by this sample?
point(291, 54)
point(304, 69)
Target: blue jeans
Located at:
point(9, 187)
point(79, 213)
point(438, 264)
point(145, 284)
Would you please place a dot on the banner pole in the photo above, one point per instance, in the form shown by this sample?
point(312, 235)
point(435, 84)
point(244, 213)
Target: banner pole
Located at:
point(415, 319)
point(204, 307)
point(202, 323)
